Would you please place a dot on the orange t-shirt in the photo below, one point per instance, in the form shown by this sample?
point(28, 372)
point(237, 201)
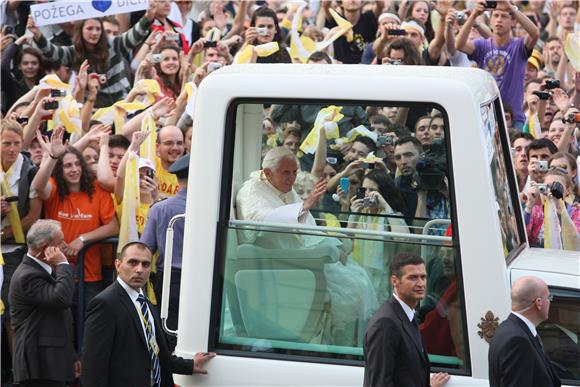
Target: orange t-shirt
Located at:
point(78, 215)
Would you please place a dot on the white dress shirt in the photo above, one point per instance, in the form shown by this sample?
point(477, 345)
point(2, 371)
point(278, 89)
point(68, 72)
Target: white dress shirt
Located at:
point(406, 308)
point(529, 324)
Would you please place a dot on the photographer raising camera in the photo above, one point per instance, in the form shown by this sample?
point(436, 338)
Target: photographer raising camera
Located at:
point(551, 222)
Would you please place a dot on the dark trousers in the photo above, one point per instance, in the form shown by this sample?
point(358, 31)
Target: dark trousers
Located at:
point(173, 312)
point(42, 383)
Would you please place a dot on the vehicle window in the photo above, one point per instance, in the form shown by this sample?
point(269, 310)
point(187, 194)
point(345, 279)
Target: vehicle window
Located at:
point(561, 334)
point(305, 283)
point(500, 165)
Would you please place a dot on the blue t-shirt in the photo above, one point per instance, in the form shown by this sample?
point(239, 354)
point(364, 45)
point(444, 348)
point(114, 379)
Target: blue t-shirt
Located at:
point(507, 65)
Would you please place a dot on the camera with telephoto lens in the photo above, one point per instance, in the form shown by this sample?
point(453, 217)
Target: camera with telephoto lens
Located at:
point(543, 95)
point(552, 84)
point(432, 167)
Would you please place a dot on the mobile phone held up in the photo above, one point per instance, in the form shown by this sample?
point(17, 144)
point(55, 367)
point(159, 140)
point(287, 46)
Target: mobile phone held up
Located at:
point(344, 184)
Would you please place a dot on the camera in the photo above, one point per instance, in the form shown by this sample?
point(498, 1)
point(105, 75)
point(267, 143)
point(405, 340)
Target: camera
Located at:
point(22, 120)
point(11, 199)
point(572, 118)
point(102, 78)
point(213, 66)
point(57, 93)
point(460, 16)
point(432, 167)
point(543, 166)
point(397, 32)
point(491, 4)
point(50, 105)
point(370, 201)
point(155, 58)
point(174, 37)
point(360, 192)
point(262, 31)
point(367, 165)
point(542, 188)
point(8, 30)
point(385, 140)
point(557, 190)
point(552, 84)
point(150, 173)
point(210, 43)
point(543, 95)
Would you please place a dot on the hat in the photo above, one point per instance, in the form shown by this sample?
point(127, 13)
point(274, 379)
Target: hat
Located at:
point(181, 167)
point(145, 163)
point(412, 25)
point(535, 59)
point(388, 15)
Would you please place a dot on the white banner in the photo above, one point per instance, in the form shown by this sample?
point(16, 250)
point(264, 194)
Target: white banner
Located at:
point(66, 11)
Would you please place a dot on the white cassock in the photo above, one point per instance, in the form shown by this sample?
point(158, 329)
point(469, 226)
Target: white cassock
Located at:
point(353, 299)
point(260, 201)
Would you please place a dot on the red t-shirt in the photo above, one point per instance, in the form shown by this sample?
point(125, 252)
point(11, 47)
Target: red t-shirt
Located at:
point(78, 215)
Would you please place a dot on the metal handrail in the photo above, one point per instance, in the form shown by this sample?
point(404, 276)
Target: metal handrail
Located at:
point(341, 230)
point(167, 263)
point(80, 323)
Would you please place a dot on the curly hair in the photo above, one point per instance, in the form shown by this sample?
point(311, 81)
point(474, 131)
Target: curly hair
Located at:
point(99, 58)
point(86, 180)
point(387, 189)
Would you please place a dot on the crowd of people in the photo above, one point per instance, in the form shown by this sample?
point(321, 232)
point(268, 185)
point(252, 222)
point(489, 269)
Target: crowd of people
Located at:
point(97, 112)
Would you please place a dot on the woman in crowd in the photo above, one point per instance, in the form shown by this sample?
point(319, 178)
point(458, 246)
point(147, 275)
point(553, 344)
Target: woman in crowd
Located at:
point(264, 29)
point(29, 68)
point(566, 162)
point(419, 10)
point(381, 209)
point(168, 71)
point(558, 185)
point(104, 55)
point(71, 195)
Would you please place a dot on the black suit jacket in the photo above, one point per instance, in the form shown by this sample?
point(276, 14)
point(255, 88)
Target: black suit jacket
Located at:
point(517, 359)
point(115, 351)
point(393, 355)
point(42, 321)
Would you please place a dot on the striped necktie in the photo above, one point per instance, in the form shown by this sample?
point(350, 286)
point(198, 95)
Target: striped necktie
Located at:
point(155, 370)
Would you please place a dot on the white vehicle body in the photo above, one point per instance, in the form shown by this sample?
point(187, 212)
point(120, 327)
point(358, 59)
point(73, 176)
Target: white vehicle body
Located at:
point(486, 275)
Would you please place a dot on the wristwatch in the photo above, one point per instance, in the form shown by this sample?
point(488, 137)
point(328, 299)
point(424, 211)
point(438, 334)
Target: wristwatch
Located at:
point(83, 239)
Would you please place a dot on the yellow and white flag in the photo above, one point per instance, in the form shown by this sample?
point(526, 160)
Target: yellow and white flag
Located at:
point(534, 126)
point(572, 49)
point(559, 229)
point(117, 113)
point(68, 114)
point(191, 90)
point(152, 88)
point(131, 201)
point(148, 149)
point(245, 55)
point(327, 118)
point(52, 81)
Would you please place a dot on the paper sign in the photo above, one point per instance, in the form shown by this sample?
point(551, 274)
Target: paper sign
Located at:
point(66, 10)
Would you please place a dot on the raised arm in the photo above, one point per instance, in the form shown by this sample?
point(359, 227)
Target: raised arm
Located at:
point(462, 42)
point(62, 54)
point(320, 155)
point(52, 151)
point(163, 108)
point(136, 141)
point(528, 26)
point(126, 42)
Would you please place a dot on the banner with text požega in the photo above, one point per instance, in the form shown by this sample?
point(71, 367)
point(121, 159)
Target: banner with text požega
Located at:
point(66, 10)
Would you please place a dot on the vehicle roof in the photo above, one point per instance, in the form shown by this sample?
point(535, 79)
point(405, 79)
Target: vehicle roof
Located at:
point(479, 81)
point(550, 261)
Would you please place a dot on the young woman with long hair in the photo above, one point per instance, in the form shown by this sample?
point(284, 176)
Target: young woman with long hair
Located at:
point(105, 56)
